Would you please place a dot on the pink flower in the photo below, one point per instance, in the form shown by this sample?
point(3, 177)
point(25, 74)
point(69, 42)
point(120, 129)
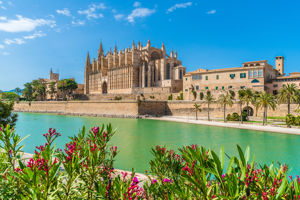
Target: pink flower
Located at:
point(154, 181)
point(167, 180)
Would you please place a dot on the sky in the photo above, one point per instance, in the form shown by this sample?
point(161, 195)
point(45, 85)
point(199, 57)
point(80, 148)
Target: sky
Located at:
point(38, 35)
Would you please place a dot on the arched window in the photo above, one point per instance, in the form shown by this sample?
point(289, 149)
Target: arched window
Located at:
point(146, 67)
point(168, 71)
point(255, 81)
point(146, 81)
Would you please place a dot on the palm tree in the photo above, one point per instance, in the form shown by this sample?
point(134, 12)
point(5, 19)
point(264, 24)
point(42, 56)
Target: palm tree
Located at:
point(266, 101)
point(255, 101)
point(248, 97)
point(225, 100)
point(241, 94)
point(288, 94)
point(18, 90)
point(208, 99)
point(197, 108)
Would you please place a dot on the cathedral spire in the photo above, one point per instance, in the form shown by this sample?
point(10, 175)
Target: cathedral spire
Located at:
point(149, 44)
point(172, 53)
point(116, 49)
point(100, 52)
point(163, 47)
point(175, 54)
point(88, 60)
point(133, 45)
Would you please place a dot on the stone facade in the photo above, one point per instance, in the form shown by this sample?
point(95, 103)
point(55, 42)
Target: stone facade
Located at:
point(257, 75)
point(133, 71)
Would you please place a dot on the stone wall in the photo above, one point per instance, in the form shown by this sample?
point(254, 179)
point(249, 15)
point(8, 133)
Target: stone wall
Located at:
point(133, 108)
point(97, 108)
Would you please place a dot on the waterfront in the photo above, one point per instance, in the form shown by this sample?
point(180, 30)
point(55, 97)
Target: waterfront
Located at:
point(135, 137)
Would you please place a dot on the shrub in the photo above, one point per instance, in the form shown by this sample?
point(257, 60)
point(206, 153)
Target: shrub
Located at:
point(236, 117)
point(201, 95)
point(88, 172)
point(152, 97)
point(292, 120)
point(170, 97)
point(117, 98)
point(6, 114)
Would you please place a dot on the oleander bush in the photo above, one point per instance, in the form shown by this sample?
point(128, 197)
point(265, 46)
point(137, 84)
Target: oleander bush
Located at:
point(84, 169)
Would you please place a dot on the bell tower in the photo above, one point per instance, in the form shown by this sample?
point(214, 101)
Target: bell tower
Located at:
point(279, 64)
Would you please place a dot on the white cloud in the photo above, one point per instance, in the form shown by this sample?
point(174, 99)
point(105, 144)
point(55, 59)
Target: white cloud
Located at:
point(140, 13)
point(118, 16)
point(18, 41)
point(211, 12)
point(0, 2)
point(91, 12)
point(64, 11)
point(137, 4)
point(35, 35)
point(78, 22)
point(179, 5)
point(1, 46)
point(22, 24)
point(5, 54)
point(2, 18)
point(3, 8)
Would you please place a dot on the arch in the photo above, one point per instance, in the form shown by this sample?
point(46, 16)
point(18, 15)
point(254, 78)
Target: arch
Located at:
point(249, 110)
point(104, 87)
point(255, 81)
point(155, 55)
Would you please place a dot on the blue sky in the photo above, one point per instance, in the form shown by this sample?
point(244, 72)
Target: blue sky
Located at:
point(36, 35)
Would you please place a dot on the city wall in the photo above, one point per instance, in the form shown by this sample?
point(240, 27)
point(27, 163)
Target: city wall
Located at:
point(133, 108)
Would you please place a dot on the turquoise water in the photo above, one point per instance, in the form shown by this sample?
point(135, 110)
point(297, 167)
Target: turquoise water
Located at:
point(136, 137)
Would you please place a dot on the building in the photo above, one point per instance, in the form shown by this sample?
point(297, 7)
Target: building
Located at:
point(54, 78)
point(136, 70)
point(257, 75)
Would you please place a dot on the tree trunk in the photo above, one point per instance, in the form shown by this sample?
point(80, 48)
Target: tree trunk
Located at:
point(208, 112)
point(241, 112)
point(289, 106)
point(224, 112)
point(196, 115)
point(247, 111)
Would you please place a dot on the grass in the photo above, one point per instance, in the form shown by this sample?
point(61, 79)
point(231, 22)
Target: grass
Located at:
point(274, 117)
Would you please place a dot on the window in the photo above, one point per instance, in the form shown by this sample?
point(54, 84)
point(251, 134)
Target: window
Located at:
point(242, 75)
point(250, 74)
point(186, 79)
point(242, 87)
point(197, 87)
point(186, 90)
point(168, 71)
point(180, 75)
point(206, 88)
point(217, 88)
point(230, 87)
point(217, 77)
point(206, 77)
point(199, 76)
point(255, 81)
point(232, 76)
point(255, 73)
point(223, 87)
point(275, 85)
point(260, 73)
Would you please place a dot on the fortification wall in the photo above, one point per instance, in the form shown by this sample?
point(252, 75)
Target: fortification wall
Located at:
point(132, 108)
point(96, 108)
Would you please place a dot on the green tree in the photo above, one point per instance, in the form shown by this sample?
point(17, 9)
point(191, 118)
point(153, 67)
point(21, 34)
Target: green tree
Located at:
point(28, 92)
point(224, 100)
point(52, 89)
point(197, 108)
point(6, 114)
point(266, 101)
point(209, 98)
point(18, 90)
point(241, 94)
point(11, 96)
point(201, 95)
point(67, 87)
point(288, 95)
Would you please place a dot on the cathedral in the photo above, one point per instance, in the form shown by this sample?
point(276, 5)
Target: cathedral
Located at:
point(135, 70)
